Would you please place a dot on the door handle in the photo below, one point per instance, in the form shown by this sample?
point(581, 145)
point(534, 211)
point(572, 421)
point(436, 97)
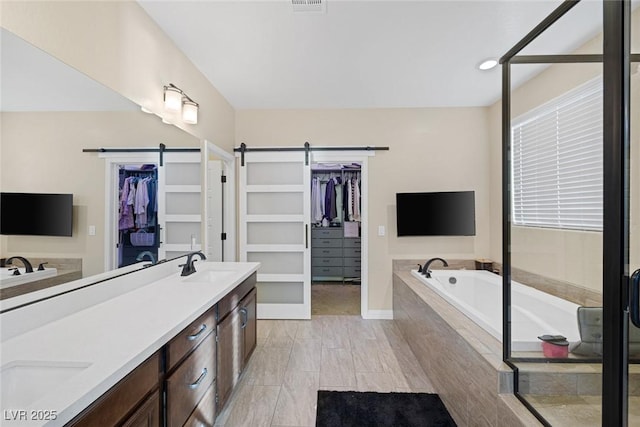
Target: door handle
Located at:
point(306, 236)
point(634, 297)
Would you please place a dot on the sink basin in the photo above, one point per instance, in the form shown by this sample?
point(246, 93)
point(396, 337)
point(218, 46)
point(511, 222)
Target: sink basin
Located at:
point(209, 275)
point(24, 382)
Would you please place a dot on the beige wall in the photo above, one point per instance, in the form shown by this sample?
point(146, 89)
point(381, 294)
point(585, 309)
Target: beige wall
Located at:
point(435, 149)
point(42, 152)
point(571, 256)
point(119, 45)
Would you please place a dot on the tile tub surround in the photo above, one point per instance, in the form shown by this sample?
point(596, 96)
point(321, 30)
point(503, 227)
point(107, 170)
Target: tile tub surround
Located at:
point(68, 269)
point(463, 361)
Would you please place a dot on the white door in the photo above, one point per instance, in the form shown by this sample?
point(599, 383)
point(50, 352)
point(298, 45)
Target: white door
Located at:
point(180, 204)
point(213, 206)
point(274, 230)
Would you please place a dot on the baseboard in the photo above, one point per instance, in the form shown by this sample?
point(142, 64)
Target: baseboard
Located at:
point(379, 314)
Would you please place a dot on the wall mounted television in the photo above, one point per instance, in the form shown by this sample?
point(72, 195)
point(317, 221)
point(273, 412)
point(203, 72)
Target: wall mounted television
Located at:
point(36, 214)
point(450, 213)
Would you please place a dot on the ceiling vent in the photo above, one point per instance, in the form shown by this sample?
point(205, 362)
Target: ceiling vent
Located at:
point(309, 6)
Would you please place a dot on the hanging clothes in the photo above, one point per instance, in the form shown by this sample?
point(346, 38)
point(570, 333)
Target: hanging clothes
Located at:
point(330, 205)
point(126, 213)
point(141, 202)
point(356, 199)
point(317, 201)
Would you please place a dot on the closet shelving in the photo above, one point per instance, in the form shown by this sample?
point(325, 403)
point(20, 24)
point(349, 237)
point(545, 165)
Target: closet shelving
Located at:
point(138, 239)
point(334, 256)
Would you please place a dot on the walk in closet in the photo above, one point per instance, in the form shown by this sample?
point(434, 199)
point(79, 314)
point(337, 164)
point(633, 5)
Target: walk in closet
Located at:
point(138, 229)
point(335, 223)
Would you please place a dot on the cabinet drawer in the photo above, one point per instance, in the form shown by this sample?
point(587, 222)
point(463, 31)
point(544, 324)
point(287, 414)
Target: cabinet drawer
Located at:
point(326, 262)
point(205, 413)
point(190, 337)
point(148, 415)
point(352, 252)
point(352, 272)
point(352, 262)
point(326, 271)
point(232, 299)
point(326, 252)
point(122, 397)
point(326, 243)
point(351, 242)
point(189, 383)
point(326, 233)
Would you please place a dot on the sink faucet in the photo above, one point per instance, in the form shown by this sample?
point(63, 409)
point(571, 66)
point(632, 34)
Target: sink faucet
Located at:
point(28, 268)
point(144, 254)
point(188, 267)
point(425, 269)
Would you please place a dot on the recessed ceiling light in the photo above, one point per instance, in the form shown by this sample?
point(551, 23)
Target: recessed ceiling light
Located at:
point(488, 64)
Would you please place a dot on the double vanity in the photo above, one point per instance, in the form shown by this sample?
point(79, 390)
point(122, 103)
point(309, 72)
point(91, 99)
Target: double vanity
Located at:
point(148, 347)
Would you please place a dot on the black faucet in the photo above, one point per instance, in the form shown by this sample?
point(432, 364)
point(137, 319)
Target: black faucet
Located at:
point(188, 267)
point(28, 268)
point(425, 269)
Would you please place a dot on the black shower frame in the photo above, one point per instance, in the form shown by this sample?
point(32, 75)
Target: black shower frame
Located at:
point(616, 60)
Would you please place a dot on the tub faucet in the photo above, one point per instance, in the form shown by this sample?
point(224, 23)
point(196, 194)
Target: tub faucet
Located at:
point(425, 268)
point(28, 268)
point(188, 267)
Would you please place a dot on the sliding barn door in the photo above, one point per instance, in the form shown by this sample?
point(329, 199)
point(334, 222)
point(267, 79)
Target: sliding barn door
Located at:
point(180, 204)
point(274, 230)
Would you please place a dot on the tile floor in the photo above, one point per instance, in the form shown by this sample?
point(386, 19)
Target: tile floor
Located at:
point(335, 298)
point(296, 358)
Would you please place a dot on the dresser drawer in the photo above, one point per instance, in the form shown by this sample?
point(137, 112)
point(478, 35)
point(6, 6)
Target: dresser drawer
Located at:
point(327, 233)
point(189, 383)
point(190, 337)
point(326, 243)
point(352, 272)
point(352, 252)
point(205, 413)
point(326, 252)
point(327, 271)
point(351, 242)
point(326, 262)
point(352, 262)
point(233, 298)
point(122, 397)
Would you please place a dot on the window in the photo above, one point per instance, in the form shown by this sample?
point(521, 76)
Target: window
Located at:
point(556, 162)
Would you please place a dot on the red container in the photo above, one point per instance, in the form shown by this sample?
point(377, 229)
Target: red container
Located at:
point(551, 349)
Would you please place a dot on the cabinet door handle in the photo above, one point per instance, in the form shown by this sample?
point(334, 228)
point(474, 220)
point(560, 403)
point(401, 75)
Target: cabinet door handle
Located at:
point(197, 383)
point(197, 334)
point(634, 298)
point(245, 314)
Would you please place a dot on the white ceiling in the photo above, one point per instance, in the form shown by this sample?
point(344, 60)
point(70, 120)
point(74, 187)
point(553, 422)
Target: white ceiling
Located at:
point(363, 54)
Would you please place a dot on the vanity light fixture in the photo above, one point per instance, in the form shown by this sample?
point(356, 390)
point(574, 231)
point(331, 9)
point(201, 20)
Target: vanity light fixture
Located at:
point(488, 64)
point(176, 100)
point(190, 112)
point(172, 98)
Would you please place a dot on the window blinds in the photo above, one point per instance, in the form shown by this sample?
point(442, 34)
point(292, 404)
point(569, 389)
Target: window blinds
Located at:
point(556, 162)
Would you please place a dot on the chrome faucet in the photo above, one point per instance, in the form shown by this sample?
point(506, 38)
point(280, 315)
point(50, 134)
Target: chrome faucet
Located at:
point(188, 267)
point(425, 269)
point(28, 268)
point(144, 254)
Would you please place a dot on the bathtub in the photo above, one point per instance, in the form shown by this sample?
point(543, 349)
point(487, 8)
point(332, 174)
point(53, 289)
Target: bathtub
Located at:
point(478, 295)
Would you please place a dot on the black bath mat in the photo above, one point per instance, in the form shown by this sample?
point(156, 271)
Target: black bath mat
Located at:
point(368, 409)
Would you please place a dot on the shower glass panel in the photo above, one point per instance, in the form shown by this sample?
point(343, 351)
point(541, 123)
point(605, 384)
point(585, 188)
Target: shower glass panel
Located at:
point(556, 213)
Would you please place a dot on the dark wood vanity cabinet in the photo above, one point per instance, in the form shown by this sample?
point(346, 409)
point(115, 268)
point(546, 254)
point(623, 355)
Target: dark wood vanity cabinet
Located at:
point(134, 401)
point(191, 377)
point(236, 336)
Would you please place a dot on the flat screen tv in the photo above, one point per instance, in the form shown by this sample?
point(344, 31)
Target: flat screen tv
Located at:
point(450, 213)
point(36, 214)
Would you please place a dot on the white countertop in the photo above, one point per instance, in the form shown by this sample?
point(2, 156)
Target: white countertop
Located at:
point(109, 339)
